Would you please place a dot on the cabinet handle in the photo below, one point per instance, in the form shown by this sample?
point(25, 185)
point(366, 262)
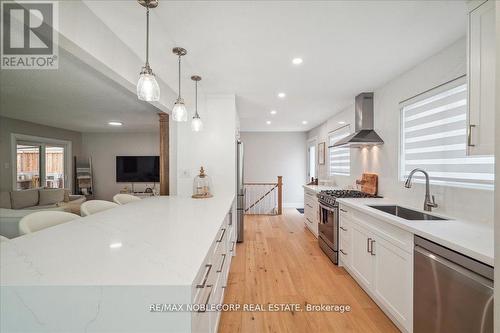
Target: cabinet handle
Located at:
point(230, 217)
point(469, 136)
point(204, 308)
point(368, 242)
point(308, 205)
point(308, 220)
point(344, 229)
point(222, 263)
point(344, 253)
point(343, 210)
point(222, 235)
point(372, 241)
point(232, 246)
point(208, 267)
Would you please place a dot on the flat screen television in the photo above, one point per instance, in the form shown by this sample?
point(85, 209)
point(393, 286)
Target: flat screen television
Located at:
point(137, 169)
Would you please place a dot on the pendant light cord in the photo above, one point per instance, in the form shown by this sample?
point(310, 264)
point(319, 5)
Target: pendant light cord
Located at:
point(179, 76)
point(147, 36)
point(196, 100)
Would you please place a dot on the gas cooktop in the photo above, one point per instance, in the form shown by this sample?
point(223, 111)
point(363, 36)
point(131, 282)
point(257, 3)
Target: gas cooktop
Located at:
point(329, 197)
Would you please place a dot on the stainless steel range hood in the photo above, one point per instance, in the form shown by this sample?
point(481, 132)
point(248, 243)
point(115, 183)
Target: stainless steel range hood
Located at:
point(363, 135)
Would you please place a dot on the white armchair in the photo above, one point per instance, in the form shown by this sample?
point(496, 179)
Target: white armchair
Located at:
point(95, 206)
point(122, 198)
point(41, 220)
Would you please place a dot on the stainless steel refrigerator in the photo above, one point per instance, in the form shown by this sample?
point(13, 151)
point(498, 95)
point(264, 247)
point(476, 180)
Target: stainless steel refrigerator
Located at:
point(240, 190)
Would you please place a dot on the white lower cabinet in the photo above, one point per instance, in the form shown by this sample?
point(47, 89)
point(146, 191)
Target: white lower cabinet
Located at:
point(212, 278)
point(311, 211)
point(345, 243)
point(379, 257)
point(362, 263)
point(392, 280)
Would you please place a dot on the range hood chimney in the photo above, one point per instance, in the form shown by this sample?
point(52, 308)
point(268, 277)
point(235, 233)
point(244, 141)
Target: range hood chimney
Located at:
point(363, 135)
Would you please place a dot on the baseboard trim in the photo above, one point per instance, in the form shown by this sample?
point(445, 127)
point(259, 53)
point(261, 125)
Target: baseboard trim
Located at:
point(293, 205)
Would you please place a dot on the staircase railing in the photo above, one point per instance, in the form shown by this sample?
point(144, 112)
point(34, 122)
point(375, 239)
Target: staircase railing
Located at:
point(264, 198)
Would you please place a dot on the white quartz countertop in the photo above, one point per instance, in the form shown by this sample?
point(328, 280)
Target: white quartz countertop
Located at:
point(471, 239)
point(319, 188)
point(155, 241)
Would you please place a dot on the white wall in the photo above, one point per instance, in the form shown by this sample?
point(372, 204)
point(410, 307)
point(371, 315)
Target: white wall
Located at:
point(104, 147)
point(470, 204)
point(272, 154)
point(214, 147)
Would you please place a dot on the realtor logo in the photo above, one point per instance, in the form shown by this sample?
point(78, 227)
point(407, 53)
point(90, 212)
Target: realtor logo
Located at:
point(29, 35)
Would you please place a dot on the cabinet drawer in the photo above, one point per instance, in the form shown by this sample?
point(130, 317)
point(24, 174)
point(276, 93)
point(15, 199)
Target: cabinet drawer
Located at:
point(344, 256)
point(344, 239)
point(344, 211)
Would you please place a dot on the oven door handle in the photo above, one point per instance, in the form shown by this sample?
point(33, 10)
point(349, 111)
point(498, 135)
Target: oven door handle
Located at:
point(331, 209)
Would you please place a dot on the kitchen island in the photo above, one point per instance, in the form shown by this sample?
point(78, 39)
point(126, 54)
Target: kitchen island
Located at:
point(110, 271)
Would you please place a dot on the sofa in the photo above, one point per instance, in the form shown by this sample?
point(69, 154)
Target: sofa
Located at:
point(14, 205)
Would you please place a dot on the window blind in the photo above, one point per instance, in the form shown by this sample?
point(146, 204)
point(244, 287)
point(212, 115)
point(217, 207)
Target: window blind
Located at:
point(433, 137)
point(339, 158)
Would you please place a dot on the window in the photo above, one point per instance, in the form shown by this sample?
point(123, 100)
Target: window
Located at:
point(28, 166)
point(433, 138)
point(40, 162)
point(311, 160)
point(339, 158)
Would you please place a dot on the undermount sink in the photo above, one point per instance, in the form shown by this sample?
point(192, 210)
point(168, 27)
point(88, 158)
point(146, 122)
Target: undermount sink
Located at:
point(407, 214)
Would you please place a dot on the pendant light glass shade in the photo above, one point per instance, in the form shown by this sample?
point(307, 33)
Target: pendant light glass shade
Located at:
point(147, 87)
point(179, 112)
point(196, 124)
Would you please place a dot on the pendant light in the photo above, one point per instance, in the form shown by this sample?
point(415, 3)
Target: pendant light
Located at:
point(147, 87)
point(179, 112)
point(196, 123)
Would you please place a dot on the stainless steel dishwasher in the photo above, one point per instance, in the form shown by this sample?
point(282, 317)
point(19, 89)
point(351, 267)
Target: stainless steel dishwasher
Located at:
point(451, 292)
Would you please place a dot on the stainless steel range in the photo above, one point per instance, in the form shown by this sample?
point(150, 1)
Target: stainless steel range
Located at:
point(328, 227)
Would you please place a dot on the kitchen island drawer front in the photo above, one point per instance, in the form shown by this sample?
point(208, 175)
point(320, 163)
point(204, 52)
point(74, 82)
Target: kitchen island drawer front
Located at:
point(397, 236)
point(220, 248)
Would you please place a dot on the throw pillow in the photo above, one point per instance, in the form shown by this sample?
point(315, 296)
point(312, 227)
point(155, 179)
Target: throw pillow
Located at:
point(24, 198)
point(51, 196)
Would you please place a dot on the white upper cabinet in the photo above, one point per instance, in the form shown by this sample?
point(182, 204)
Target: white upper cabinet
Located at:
point(481, 78)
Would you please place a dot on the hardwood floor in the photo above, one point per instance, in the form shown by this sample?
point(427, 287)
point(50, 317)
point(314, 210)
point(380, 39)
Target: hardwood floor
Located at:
point(280, 262)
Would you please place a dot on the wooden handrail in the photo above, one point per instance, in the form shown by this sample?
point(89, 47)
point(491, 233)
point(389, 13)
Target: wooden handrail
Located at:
point(278, 185)
point(258, 200)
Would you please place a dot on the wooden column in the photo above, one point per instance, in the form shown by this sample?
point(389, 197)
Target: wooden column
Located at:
point(280, 195)
point(164, 154)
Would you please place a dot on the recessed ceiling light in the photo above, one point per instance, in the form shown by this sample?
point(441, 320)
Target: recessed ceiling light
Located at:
point(115, 123)
point(341, 122)
point(297, 61)
point(116, 245)
point(273, 112)
point(304, 122)
point(281, 95)
point(268, 122)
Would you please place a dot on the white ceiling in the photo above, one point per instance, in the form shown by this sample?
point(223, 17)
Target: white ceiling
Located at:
point(74, 97)
point(246, 48)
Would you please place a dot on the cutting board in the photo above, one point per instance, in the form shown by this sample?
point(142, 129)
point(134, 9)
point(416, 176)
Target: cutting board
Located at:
point(369, 183)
